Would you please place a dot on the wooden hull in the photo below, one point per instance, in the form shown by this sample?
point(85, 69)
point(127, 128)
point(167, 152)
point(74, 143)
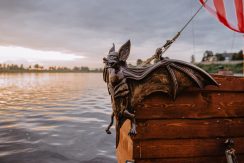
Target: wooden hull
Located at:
point(191, 129)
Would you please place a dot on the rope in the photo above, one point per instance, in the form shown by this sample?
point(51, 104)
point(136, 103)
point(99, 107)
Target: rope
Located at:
point(193, 16)
point(193, 36)
point(169, 42)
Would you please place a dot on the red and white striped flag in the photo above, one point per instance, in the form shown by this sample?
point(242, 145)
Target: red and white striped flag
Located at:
point(228, 12)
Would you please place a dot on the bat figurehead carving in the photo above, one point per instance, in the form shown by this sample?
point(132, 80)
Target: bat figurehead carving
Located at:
point(128, 86)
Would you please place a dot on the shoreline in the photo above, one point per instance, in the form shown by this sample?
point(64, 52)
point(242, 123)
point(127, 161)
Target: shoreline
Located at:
point(5, 72)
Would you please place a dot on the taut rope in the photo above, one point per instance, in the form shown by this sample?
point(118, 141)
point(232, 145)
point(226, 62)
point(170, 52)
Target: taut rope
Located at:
point(168, 43)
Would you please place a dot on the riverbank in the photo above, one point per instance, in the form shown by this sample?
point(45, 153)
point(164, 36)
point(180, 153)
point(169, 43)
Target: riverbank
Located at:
point(214, 68)
point(46, 71)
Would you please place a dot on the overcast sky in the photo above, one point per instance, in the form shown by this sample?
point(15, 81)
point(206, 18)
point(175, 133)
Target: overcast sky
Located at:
point(84, 30)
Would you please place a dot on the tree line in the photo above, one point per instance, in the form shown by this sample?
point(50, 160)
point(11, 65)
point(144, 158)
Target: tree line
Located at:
point(39, 68)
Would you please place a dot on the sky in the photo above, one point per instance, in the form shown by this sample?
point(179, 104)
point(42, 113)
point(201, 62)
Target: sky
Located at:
point(81, 32)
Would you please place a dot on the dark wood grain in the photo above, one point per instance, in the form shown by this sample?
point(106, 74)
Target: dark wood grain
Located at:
point(191, 129)
point(192, 105)
point(179, 129)
point(183, 148)
point(221, 159)
point(227, 83)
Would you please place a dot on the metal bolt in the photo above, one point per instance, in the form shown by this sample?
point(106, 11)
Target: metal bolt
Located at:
point(129, 161)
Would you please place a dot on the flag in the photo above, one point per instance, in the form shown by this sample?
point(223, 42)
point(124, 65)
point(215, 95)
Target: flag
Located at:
point(228, 12)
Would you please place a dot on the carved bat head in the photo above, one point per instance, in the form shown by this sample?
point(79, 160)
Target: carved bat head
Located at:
point(115, 59)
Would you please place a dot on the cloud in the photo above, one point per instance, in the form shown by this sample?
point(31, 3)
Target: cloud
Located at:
point(90, 27)
point(17, 55)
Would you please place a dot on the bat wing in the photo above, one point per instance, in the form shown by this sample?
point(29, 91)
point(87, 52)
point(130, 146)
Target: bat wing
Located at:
point(176, 75)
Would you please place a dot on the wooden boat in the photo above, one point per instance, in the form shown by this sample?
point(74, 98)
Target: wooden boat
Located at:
point(201, 125)
point(191, 129)
point(174, 112)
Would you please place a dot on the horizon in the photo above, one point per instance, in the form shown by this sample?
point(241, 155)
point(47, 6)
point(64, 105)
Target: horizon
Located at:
point(46, 67)
point(71, 34)
point(5, 65)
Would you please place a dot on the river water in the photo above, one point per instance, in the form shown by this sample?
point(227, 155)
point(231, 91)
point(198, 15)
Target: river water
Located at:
point(55, 118)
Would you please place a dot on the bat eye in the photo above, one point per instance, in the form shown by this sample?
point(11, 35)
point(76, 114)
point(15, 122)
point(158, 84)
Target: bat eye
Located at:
point(105, 60)
point(111, 64)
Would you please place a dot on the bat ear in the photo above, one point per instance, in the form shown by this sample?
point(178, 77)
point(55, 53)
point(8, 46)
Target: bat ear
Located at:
point(124, 51)
point(112, 49)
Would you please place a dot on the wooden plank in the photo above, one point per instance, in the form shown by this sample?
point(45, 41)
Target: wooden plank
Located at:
point(227, 83)
point(125, 149)
point(221, 159)
point(180, 129)
point(183, 148)
point(191, 105)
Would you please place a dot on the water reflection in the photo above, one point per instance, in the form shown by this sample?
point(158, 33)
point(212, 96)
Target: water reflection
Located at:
point(51, 117)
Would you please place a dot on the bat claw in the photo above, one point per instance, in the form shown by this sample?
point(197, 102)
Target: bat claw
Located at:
point(108, 132)
point(132, 132)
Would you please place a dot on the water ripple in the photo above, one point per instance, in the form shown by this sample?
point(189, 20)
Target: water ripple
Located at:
point(54, 118)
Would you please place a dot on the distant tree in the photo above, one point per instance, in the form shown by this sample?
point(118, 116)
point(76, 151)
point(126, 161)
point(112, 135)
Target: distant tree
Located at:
point(22, 67)
point(138, 62)
point(66, 69)
point(36, 66)
point(220, 57)
point(11, 67)
point(238, 56)
point(51, 68)
point(241, 52)
point(15, 67)
point(207, 55)
point(84, 69)
point(76, 69)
